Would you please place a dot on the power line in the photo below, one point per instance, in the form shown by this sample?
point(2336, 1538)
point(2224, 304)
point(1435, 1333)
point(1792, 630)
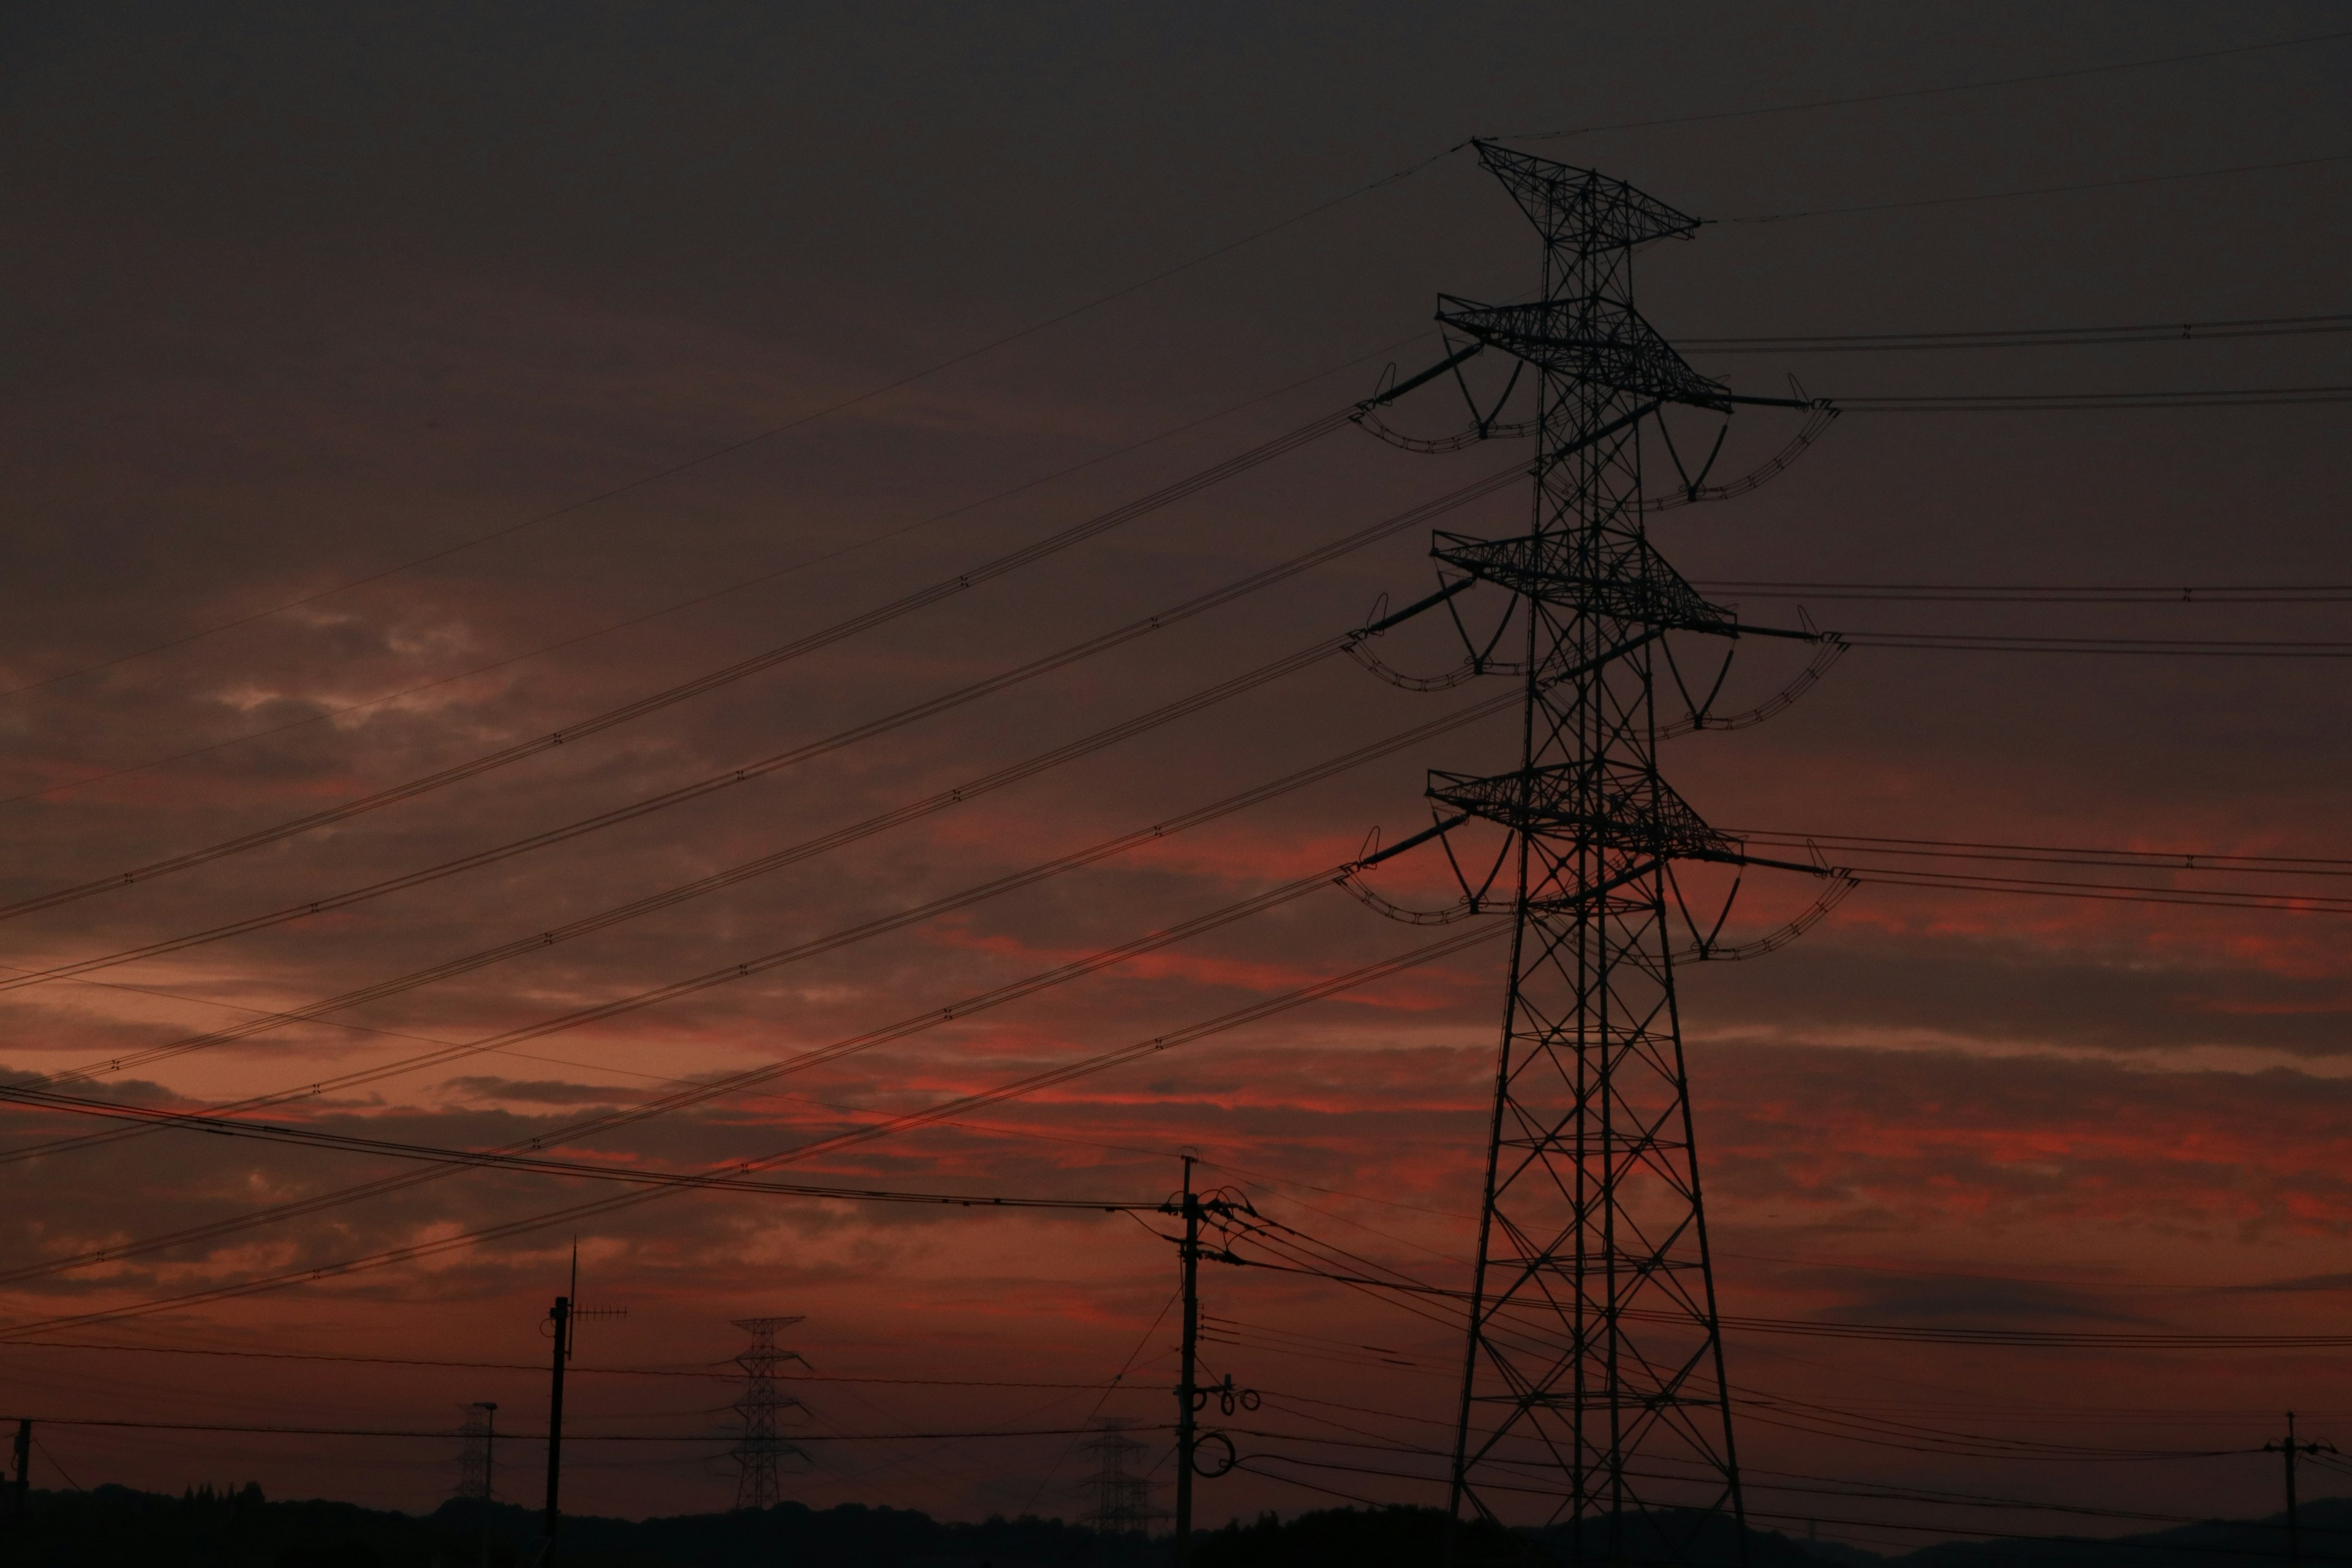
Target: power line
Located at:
point(2087, 402)
point(442, 1435)
point(2041, 594)
point(1891, 97)
point(942, 1111)
point(534, 1165)
point(709, 1090)
point(2026, 337)
point(574, 1370)
point(1841, 1423)
point(866, 542)
point(1868, 1431)
point(732, 875)
point(1834, 1486)
point(543, 1165)
point(2064, 855)
point(695, 1090)
point(724, 449)
point(2108, 892)
point(712, 680)
point(730, 778)
point(2037, 191)
point(2158, 647)
point(1914, 1334)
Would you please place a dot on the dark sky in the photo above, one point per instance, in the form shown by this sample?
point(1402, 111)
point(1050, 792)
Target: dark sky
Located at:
point(482, 369)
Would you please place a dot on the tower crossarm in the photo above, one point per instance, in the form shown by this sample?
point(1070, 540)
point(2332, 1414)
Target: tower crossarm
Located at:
point(1635, 813)
point(1599, 341)
point(1634, 587)
point(1581, 210)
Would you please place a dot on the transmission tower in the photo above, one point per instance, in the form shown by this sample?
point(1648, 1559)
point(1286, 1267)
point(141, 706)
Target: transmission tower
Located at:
point(477, 1479)
point(759, 1448)
point(1122, 1494)
point(1594, 1365)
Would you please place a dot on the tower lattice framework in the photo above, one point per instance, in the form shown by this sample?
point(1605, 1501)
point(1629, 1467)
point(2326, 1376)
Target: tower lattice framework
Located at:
point(474, 1478)
point(759, 1448)
point(1593, 1376)
point(1121, 1489)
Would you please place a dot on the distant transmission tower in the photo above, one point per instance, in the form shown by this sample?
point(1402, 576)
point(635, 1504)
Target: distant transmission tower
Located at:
point(1122, 1493)
point(476, 1476)
point(1593, 1373)
point(759, 1448)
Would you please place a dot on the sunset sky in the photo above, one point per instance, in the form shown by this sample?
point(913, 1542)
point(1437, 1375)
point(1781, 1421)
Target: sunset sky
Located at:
point(392, 385)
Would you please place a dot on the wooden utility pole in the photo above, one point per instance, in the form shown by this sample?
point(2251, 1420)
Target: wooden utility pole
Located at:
point(2288, 1451)
point(1187, 1387)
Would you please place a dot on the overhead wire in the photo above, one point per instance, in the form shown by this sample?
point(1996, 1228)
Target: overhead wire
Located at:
point(2082, 402)
point(696, 1093)
point(728, 876)
point(724, 449)
point(545, 1165)
point(444, 1434)
point(1877, 1431)
point(2070, 189)
point(325, 714)
point(1978, 1336)
point(710, 680)
point(574, 1369)
point(2139, 648)
point(1833, 1485)
point(1826, 1486)
point(1118, 1378)
point(2042, 594)
point(1461, 942)
point(2067, 74)
point(2062, 855)
point(743, 969)
point(764, 767)
point(2106, 892)
point(2023, 337)
point(1914, 1334)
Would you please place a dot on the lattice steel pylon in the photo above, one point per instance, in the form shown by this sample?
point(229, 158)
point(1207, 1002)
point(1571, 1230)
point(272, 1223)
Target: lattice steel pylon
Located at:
point(1122, 1495)
point(1592, 1376)
point(757, 1451)
point(475, 1478)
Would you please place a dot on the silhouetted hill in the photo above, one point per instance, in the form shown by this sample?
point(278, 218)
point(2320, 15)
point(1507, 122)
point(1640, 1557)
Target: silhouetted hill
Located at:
point(2215, 1543)
point(113, 1527)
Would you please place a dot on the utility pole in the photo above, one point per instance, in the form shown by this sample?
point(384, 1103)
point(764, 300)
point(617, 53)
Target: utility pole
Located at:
point(1186, 1432)
point(563, 1315)
point(23, 1466)
point(1593, 1366)
point(560, 1316)
point(2288, 1451)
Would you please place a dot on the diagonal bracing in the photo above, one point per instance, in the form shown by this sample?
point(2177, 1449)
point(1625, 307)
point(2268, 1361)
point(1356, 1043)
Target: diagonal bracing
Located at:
point(1593, 1339)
